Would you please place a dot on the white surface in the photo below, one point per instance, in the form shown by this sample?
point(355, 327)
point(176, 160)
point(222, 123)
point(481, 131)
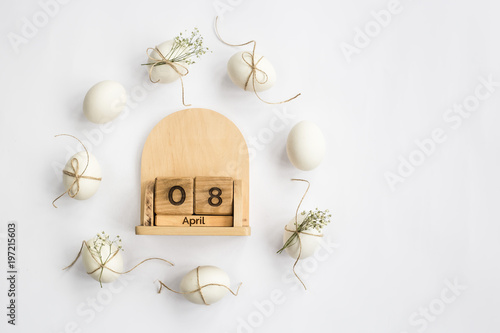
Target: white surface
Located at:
point(396, 249)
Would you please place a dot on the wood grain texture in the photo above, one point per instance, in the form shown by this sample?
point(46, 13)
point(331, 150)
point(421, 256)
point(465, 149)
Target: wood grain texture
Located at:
point(174, 187)
point(196, 142)
point(148, 218)
point(193, 221)
point(189, 231)
point(213, 196)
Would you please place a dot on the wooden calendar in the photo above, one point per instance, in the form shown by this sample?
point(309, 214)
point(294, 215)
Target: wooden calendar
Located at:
point(194, 177)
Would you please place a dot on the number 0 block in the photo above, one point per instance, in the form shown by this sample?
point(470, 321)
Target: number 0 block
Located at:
point(213, 195)
point(174, 196)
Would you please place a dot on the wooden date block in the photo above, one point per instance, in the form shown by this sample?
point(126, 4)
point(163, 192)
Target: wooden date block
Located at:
point(174, 196)
point(213, 195)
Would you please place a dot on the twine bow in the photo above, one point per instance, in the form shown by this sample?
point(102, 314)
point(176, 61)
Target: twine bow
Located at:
point(102, 265)
point(75, 165)
point(200, 287)
point(165, 61)
point(253, 66)
point(296, 232)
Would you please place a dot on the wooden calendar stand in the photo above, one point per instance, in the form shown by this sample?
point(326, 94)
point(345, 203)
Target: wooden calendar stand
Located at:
point(194, 177)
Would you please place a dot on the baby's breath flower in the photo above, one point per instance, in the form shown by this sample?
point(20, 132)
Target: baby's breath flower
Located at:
point(185, 49)
point(99, 242)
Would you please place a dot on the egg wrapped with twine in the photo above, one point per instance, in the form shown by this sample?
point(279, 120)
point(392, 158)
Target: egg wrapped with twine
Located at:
point(307, 241)
point(303, 233)
point(251, 72)
point(204, 285)
point(161, 67)
point(81, 175)
point(169, 61)
point(102, 258)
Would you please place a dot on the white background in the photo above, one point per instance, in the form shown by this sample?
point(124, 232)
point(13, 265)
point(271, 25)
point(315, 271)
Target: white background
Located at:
point(394, 251)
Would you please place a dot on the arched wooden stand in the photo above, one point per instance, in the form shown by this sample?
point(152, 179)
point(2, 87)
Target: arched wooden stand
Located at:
point(188, 144)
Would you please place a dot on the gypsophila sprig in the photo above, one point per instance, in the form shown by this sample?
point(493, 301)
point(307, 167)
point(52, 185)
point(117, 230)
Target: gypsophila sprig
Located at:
point(186, 48)
point(314, 220)
point(100, 241)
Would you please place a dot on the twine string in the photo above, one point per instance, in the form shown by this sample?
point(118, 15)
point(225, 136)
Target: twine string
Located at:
point(297, 233)
point(165, 61)
point(75, 165)
point(252, 64)
point(200, 287)
point(103, 265)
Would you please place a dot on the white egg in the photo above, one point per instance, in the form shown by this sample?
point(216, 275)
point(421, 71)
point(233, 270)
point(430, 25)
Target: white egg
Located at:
point(207, 275)
point(305, 145)
point(309, 243)
point(88, 187)
point(101, 254)
point(165, 73)
point(104, 101)
point(239, 71)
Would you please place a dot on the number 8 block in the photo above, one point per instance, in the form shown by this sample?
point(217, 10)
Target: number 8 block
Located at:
point(213, 196)
point(174, 196)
